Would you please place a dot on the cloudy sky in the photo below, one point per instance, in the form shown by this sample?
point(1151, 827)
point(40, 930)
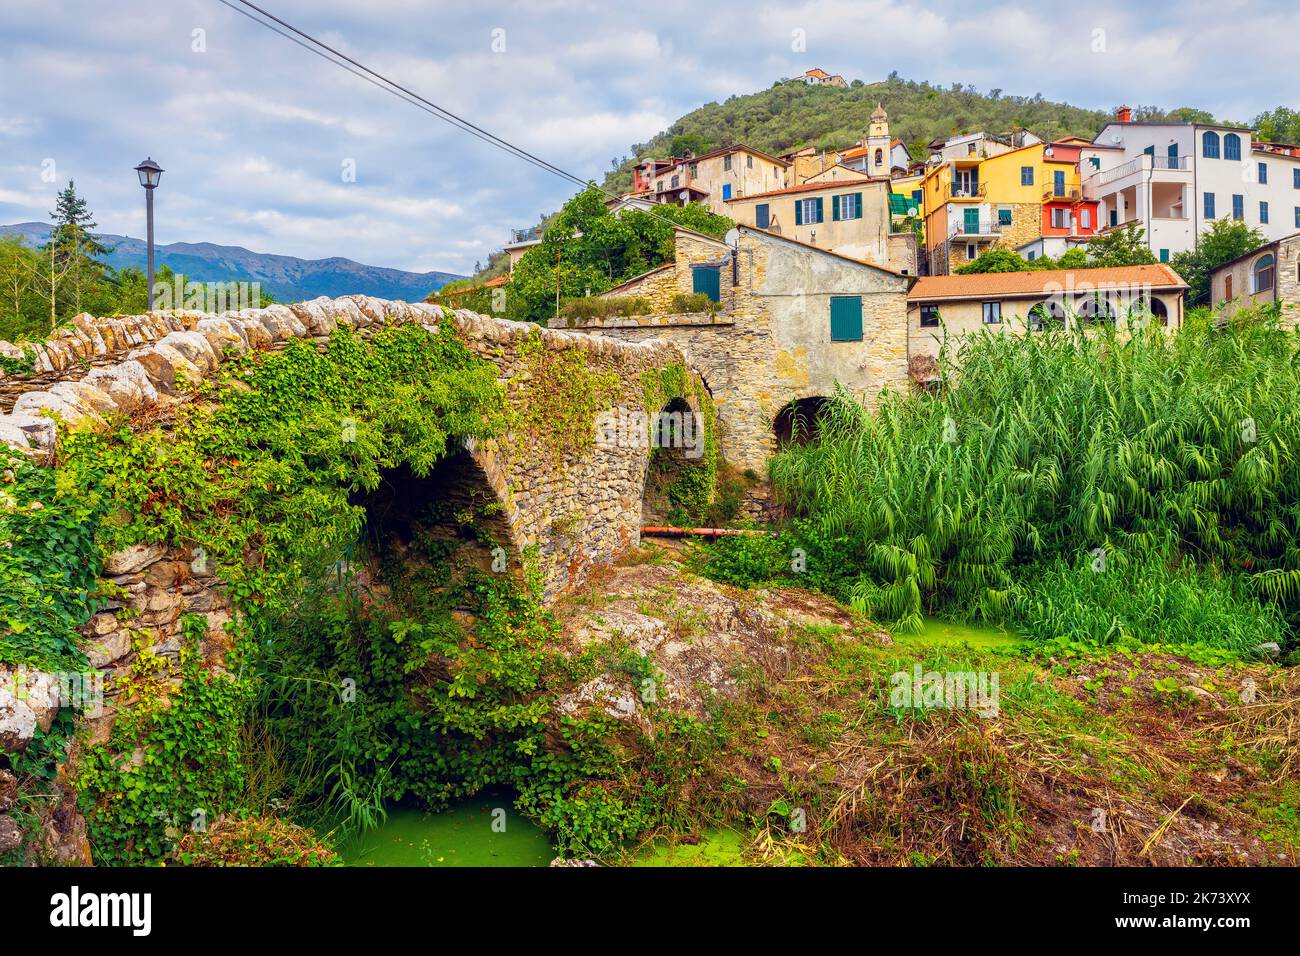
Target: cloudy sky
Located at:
point(257, 135)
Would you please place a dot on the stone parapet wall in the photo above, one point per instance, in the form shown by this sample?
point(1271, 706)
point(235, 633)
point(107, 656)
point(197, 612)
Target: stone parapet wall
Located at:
point(579, 508)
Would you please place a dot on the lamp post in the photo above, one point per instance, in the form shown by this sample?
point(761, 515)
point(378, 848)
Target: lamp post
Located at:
point(150, 173)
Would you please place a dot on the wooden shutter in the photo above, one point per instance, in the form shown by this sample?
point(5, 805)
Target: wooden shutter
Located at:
point(846, 318)
point(857, 205)
point(835, 208)
point(798, 212)
point(821, 217)
point(707, 279)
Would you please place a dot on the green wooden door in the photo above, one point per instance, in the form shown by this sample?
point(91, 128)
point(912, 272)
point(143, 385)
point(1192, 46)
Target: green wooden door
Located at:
point(971, 219)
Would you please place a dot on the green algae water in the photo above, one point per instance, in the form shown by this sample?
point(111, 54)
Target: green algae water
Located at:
point(954, 634)
point(461, 836)
point(717, 847)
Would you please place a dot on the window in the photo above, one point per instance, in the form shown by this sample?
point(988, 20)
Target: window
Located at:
point(1114, 217)
point(1085, 218)
point(992, 313)
point(1238, 206)
point(929, 316)
point(726, 163)
point(880, 158)
point(1095, 161)
point(1058, 182)
point(673, 185)
point(1210, 144)
point(693, 170)
point(1297, 217)
point(707, 279)
point(1061, 219)
point(1209, 205)
point(726, 190)
point(762, 215)
point(971, 252)
point(1263, 173)
point(808, 211)
point(1031, 256)
point(848, 206)
point(1295, 178)
point(749, 161)
point(917, 194)
point(846, 318)
point(1263, 212)
point(1232, 147)
point(1262, 274)
point(1227, 287)
point(1164, 255)
point(1026, 175)
point(1004, 217)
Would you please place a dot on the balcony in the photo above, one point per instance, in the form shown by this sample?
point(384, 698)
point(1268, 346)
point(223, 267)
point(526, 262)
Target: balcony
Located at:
point(525, 235)
point(1143, 167)
point(986, 229)
point(1064, 195)
point(966, 191)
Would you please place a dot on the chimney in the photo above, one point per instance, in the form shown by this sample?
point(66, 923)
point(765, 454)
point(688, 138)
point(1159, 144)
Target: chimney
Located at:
point(1124, 115)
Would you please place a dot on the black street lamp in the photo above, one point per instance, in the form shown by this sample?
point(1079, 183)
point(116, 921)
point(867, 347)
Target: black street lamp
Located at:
point(150, 174)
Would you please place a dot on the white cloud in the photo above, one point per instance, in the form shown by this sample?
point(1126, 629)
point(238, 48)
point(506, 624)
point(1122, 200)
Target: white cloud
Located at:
point(253, 132)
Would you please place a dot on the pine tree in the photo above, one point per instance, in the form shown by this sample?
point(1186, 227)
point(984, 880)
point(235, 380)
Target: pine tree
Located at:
point(73, 252)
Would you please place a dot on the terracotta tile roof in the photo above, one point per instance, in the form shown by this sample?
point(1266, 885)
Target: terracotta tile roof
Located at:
point(811, 187)
point(1016, 284)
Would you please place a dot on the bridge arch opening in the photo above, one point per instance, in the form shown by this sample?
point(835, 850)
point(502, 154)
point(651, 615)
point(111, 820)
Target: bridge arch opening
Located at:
point(439, 526)
point(798, 423)
point(675, 465)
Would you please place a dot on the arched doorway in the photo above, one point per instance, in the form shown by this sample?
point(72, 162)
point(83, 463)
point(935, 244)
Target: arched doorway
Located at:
point(1047, 316)
point(799, 421)
point(1148, 308)
point(1096, 309)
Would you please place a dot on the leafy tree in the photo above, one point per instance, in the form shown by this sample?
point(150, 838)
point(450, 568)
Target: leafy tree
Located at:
point(587, 249)
point(1281, 125)
point(694, 143)
point(1225, 240)
point(995, 260)
point(1120, 247)
point(20, 309)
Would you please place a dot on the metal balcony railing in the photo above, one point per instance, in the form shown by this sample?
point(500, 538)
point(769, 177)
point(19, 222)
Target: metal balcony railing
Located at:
point(959, 191)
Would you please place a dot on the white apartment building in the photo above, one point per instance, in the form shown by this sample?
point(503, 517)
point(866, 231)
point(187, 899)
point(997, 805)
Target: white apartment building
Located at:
point(1175, 179)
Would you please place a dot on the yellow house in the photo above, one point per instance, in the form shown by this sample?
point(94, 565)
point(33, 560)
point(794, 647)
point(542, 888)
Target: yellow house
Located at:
point(848, 215)
point(973, 203)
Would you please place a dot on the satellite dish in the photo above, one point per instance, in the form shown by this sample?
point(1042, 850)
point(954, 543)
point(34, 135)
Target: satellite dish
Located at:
point(732, 237)
point(684, 195)
point(912, 211)
point(1116, 138)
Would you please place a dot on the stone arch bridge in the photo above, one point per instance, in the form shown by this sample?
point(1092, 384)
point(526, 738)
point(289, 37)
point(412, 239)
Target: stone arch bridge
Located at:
point(579, 508)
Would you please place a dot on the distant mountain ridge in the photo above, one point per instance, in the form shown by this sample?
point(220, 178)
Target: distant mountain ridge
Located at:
point(288, 278)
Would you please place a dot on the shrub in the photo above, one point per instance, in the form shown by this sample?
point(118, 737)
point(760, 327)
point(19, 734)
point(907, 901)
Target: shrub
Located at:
point(594, 307)
point(694, 302)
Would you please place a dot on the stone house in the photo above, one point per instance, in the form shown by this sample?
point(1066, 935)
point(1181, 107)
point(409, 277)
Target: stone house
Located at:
point(792, 322)
point(958, 305)
point(1270, 273)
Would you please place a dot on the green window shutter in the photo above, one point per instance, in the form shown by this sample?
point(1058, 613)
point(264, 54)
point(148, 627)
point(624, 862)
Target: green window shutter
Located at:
point(821, 216)
point(707, 279)
point(857, 205)
point(835, 208)
point(846, 318)
point(798, 212)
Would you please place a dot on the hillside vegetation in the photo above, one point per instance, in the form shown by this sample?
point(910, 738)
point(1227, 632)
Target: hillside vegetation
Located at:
point(790, 115)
